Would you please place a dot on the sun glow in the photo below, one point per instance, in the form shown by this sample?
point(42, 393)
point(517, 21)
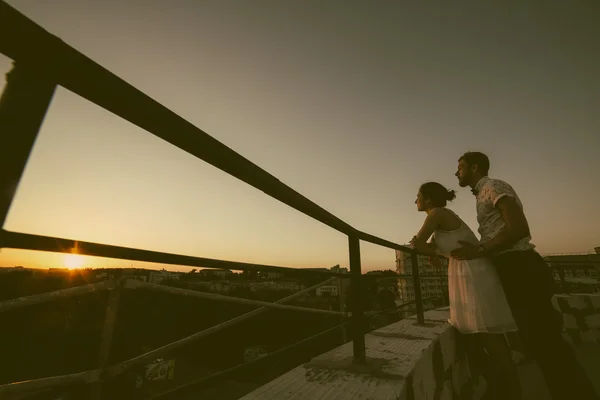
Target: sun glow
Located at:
point(74, 261)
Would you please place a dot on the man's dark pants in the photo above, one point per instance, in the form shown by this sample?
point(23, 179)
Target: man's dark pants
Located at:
point(528, 284)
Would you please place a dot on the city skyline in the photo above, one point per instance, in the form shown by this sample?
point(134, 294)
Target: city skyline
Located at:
point(352, 106)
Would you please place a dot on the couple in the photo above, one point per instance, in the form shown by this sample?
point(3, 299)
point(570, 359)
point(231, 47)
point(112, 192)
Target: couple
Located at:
point(499, 284)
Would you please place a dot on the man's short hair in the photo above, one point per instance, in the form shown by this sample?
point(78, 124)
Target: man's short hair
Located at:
point(476, 158)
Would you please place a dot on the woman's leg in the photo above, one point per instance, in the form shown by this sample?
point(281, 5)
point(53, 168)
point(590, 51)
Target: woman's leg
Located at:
point(501, 365)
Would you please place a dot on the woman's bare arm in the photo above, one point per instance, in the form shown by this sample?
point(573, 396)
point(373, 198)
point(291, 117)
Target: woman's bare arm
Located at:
point(429, 226)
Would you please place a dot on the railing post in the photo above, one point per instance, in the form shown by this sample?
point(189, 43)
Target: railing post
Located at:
point(342, 298)
point(25, 100)
point(358, 329)
point(414, 261)
point(107, 335)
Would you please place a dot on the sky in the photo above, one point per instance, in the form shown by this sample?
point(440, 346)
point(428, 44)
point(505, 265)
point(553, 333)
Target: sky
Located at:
point(353, 104)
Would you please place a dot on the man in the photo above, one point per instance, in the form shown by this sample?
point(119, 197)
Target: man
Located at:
point(525, 277)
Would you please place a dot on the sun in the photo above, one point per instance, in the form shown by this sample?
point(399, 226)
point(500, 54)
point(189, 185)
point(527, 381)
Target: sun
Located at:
point(74, 261)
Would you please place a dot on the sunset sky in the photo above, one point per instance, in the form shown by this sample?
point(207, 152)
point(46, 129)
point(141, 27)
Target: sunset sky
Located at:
point(353, 104)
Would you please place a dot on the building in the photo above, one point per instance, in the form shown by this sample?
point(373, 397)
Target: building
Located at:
point(337, 268)
point(328, 290)
point(221, 273)
point(275, 275)
point(432, 284)
point(141, 278)
point(576, 272)
point(58, 270)
point(157, 277)
point(317, 269)
point(14, 269)
point(102, 276)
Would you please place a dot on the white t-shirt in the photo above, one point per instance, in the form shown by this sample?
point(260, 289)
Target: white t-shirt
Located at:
point(488, 191)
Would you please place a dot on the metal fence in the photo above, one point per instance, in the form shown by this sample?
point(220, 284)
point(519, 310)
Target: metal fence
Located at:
point(41, 63)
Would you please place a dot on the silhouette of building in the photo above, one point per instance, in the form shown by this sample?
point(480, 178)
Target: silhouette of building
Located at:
point(580, 272)
point(328, 290)
point(221, 273)
point(432, 284)
point(157, 277)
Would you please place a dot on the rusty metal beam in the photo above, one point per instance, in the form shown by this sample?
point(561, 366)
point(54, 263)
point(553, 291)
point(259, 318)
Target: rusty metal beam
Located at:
point(135, 284)
point(20, 302)
point(177, 391)
point(162, 351)
point(85, 377)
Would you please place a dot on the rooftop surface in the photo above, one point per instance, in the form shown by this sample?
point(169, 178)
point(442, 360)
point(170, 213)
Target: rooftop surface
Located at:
point(406, 361)
point(534, 387)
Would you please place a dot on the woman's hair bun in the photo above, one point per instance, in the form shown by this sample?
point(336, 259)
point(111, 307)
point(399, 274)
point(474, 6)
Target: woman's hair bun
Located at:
point(451, 195)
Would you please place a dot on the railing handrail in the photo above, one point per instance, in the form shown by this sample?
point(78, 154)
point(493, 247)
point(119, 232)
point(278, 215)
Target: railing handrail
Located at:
point(17, 240)
point(43, 61)
point(23, 39)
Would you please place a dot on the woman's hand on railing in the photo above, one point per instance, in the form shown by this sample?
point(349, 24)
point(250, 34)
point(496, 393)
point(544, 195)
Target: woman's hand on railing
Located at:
point(423, 247)
point(413, 241)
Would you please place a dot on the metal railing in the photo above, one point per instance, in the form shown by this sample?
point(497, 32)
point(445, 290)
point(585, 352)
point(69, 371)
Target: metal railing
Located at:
point(41, 63)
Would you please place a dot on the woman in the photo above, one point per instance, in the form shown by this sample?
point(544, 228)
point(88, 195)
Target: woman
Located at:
point(478, 306)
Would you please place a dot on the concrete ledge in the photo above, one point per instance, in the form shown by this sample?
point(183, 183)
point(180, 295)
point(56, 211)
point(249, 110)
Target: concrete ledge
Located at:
point(405, 361)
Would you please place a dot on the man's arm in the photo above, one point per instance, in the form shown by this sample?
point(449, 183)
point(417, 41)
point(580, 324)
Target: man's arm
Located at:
point(516, 227)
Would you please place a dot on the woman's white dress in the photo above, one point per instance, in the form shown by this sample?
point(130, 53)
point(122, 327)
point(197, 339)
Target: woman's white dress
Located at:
point(477, 300)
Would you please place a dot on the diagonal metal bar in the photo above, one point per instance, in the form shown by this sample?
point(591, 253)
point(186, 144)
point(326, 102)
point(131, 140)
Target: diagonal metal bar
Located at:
point(50, 382)
point(161, 351)
point(20, 302)
point(135, 284)
point(236, 368)
point(23, 106)
point(28, 241)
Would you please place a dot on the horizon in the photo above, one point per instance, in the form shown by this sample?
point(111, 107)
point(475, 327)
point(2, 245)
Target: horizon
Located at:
point(354, 113)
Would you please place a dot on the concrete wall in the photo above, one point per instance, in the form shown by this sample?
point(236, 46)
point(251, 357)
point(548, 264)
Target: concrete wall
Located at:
point(406, 361)
point(581, 317)
point(443, 371)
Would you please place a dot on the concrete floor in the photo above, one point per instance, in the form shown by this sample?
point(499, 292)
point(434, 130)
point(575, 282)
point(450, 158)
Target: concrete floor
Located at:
point(535, 388)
